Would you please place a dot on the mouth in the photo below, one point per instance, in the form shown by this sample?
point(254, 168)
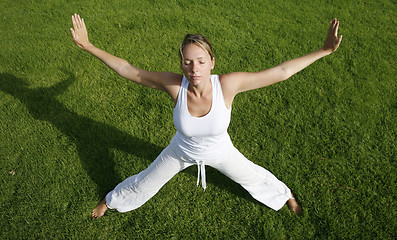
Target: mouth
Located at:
point(195, 77)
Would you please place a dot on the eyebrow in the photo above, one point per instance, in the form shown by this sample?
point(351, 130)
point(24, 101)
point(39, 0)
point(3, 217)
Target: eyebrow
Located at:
point(199, 58)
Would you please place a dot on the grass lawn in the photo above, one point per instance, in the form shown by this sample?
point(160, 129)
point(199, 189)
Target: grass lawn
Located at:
point(71, 129)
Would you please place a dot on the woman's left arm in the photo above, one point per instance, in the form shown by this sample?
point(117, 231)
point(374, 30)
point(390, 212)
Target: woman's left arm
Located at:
point(245, 81)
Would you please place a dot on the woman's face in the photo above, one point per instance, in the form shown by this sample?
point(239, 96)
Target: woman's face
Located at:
point(196, 64)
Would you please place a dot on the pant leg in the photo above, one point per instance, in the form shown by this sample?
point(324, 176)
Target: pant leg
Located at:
point(134, 191)
point(259, 182)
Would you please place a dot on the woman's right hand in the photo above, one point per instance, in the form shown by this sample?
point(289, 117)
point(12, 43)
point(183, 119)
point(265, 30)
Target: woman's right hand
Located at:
point(79, 32)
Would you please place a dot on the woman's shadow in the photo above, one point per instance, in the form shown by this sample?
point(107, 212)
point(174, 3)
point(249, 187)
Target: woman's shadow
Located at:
point(94, 140)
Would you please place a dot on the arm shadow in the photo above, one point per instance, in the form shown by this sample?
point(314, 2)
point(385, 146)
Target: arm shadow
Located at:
point(94, 140)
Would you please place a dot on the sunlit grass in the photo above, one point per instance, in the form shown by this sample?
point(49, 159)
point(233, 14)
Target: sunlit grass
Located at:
point(71, 129)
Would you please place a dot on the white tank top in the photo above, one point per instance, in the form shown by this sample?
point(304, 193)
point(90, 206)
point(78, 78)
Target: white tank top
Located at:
point(202, 138)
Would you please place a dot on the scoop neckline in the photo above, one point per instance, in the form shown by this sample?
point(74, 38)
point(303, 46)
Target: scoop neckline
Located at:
point(212, 100)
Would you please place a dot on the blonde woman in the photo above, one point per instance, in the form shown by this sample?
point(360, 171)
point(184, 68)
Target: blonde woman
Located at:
point(201, 116)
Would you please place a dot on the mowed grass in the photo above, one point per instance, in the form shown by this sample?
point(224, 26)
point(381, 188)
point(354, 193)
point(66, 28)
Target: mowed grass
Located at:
point(71, 129)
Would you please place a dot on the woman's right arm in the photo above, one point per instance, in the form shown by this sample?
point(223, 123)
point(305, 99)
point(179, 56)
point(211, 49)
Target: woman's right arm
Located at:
point(164, 81)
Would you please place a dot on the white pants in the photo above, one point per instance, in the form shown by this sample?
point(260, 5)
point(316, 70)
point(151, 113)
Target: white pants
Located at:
point(134, 191)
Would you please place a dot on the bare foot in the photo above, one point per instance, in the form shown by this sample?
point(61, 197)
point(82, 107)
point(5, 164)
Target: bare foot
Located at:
point(294, 205)
point(100, 209)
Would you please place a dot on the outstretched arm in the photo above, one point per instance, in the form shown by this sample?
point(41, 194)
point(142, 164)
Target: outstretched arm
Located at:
point(331, 44)
point(240, 82)
point(80, 37)
point(164, 81)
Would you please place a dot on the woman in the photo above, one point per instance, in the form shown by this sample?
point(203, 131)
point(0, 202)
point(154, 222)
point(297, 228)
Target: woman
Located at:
point(201, 116)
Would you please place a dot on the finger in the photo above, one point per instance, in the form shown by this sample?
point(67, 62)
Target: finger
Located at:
point(73, 35)
point(332, 26)
point(75, 22)
point(83, 23)
point(336, 28)
point(76, 18)
point(332, 22)
point(340, 39)
point(80, 21)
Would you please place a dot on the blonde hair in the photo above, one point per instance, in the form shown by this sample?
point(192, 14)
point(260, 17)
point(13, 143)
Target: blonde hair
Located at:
point(199, 40)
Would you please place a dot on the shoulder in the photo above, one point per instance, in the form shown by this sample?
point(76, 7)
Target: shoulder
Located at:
point(233, 77)
point(230, 84)
point(172, 83)
point(232, 81)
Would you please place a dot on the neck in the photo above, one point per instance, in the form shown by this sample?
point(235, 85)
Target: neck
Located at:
point(201, 89)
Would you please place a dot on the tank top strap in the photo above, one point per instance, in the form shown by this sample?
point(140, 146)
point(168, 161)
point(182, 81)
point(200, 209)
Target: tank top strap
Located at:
point(218, 93)
point(182, 93)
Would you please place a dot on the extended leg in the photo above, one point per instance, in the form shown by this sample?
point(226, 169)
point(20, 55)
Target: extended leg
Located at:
point(134, 191)
point(260, 183)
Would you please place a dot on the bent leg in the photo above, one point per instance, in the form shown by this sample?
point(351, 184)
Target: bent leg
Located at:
point(259, 182)
point(134, 191)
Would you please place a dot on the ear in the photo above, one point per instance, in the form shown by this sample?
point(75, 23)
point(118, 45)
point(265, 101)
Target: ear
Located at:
point(212, 63)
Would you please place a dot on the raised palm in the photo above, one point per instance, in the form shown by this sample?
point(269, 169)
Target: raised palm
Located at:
point(79, 31)
point(332, 41)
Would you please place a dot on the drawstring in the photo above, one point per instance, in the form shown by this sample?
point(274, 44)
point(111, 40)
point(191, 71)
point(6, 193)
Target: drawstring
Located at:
point(201, 169)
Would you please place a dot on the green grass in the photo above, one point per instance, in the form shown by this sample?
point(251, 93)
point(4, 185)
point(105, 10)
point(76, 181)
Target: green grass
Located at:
point(71, 129)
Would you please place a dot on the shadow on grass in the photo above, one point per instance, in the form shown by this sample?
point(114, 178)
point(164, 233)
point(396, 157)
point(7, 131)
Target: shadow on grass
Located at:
point(217, 179)
point(93, 139)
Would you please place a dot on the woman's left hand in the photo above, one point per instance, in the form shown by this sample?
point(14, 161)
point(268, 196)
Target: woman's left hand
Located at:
point(332, 41)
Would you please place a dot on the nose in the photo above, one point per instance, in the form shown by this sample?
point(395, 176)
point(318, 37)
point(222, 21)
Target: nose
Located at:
point(194, 67)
